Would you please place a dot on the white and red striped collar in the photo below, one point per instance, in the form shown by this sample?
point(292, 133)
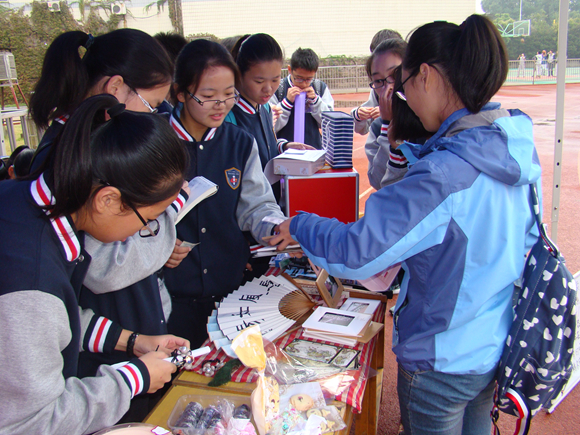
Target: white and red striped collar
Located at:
point(246, 106)
point(175, 122)
point(180, 129)
point(62, 119)
point(61, 225)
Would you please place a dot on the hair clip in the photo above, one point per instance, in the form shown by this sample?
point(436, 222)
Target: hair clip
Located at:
point(89, 41)
point(117, 109)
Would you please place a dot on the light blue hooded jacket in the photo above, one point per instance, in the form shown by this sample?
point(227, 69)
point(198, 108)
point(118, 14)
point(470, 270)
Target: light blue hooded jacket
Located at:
point(461, 223)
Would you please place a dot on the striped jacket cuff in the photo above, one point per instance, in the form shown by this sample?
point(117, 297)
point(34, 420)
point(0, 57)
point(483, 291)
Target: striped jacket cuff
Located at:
point(396, 158)
point(136, 376)
point(102, 335)
point(286, 105)
point(281, 143)
point(179, 202)
point(385, 129)
point(355, 114)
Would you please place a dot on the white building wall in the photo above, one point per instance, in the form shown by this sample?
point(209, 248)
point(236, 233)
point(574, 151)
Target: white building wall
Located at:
point(330, 27)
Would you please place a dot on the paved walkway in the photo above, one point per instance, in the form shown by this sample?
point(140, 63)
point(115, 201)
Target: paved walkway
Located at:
point(539, 102)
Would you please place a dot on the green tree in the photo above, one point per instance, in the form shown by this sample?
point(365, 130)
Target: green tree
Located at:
point(28, 36)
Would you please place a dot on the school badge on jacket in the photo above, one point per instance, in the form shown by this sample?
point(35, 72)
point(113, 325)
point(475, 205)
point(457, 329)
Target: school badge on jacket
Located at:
point(233, 177)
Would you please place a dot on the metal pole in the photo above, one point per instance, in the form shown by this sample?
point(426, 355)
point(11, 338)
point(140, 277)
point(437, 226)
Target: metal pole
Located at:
point(521, 10)
point(560, 90)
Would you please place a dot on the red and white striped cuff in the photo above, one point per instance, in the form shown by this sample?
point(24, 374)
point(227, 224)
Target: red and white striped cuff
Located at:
point(180, 201)
point(136, 376)
point(287, 105)
point(99, 335)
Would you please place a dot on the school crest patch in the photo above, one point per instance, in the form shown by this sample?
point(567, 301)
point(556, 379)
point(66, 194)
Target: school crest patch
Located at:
point(233, 177)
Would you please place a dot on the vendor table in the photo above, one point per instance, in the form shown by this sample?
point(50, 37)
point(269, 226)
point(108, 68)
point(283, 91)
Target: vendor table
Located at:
point(365, 421)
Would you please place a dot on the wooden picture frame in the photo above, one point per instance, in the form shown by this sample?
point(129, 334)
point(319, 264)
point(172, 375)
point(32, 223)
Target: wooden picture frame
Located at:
point(329, 288)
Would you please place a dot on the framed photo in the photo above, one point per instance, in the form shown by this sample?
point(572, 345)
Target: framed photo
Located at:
point(329, 288)
point(359, 305)
point(337, 321)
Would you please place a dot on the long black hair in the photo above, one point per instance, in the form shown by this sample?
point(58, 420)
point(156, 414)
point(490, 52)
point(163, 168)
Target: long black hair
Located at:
point(472, 57)
point(66, 78)
point(252, 49)
point(195, 58)
point(405, 124)
point(137, 153)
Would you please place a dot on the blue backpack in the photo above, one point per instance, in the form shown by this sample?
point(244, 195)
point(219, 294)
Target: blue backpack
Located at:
point(537, 357)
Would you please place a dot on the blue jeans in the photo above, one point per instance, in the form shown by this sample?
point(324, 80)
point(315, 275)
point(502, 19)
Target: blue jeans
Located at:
point(441, 403)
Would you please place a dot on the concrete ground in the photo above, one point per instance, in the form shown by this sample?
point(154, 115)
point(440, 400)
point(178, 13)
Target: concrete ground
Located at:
point(539, 102)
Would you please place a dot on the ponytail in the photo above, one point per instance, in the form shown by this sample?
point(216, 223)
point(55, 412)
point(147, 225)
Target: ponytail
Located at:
point(63, 81)
point(472, 57)
point(480, 62)
point(257, 48)
point(137, 153)
point(67, 79)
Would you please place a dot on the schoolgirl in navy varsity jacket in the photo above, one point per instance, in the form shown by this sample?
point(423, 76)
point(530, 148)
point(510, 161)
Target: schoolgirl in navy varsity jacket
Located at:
point(228, 156)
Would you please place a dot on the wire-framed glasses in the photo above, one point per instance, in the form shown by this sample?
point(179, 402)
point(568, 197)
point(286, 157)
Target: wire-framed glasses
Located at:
point(215, 103)
point(146, 103)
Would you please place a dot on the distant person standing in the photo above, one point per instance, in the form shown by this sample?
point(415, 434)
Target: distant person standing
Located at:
point(522, 64)
point(538, 65)
point(544, 63)
point(551, 63)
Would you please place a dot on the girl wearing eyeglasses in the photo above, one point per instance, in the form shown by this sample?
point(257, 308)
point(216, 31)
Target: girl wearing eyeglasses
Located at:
point(122, 282)
point(95, 185)
point(382, 156)
point(205, 77)
point(460, 220)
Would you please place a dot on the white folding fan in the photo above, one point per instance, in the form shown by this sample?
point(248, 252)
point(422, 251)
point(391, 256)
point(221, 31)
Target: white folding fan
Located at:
point(276, 303)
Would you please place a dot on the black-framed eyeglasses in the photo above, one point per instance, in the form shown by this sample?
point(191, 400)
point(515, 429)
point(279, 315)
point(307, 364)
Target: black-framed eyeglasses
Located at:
point(145, 102)
point(150, 228)
point(296, 79)
point(400, 92)
point(379, 83)
point(216, 103)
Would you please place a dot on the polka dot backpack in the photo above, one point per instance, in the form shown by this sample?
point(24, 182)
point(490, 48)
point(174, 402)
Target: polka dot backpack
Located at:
point(537, 357)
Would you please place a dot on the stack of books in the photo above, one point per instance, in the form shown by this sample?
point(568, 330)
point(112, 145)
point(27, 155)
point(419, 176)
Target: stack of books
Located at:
point(348, 325)
point(298, 162)
point(337, 139)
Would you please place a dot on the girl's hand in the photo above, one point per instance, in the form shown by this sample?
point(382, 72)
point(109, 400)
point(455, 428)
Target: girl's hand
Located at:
point(365, 113)
point(186, 188)
point(276, 112)
point(163, 343)
point(159, 371)
point(297, 146)
point(177, 255)
point(283, 238)
point(385, 94)
point(375, 112)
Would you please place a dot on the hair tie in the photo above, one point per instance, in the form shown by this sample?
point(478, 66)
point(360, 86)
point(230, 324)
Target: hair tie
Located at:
point(116, 110)
point(89, 41)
